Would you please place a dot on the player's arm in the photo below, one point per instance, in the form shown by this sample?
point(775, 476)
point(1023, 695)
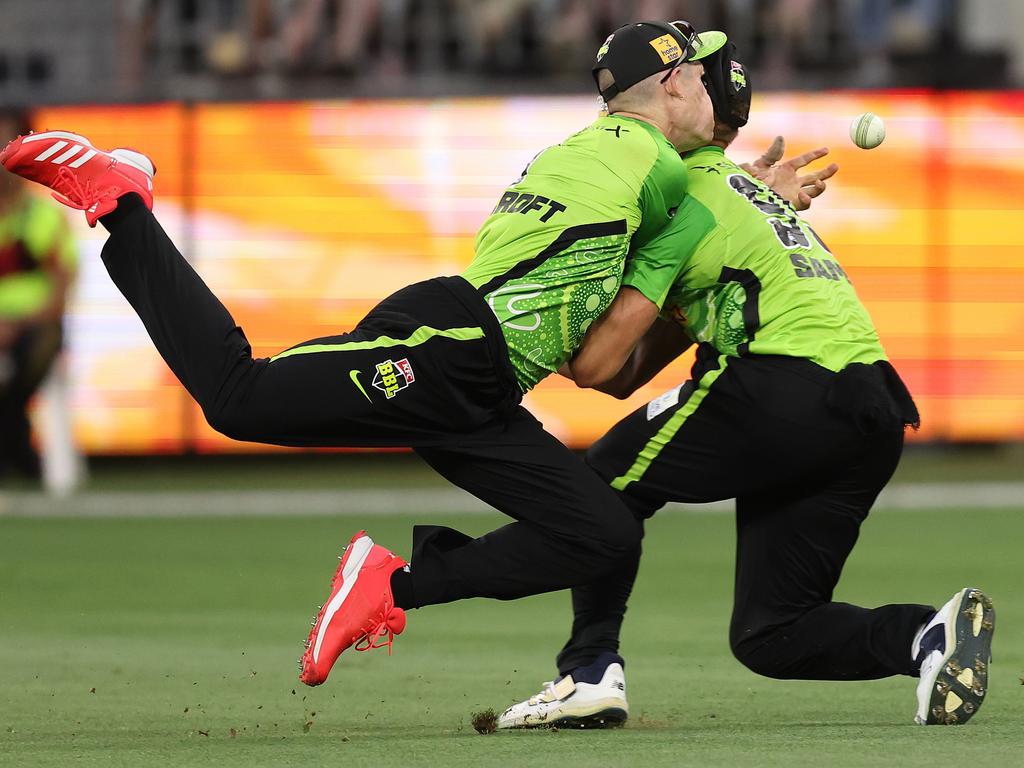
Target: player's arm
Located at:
point(649, 276)
point(610, 341)
point(663, 343)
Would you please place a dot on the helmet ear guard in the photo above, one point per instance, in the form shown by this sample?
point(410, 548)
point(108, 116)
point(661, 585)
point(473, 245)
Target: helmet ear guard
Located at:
point(728, 85)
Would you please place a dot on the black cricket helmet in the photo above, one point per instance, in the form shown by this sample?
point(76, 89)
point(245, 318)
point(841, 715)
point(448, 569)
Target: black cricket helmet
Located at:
point(728, 85)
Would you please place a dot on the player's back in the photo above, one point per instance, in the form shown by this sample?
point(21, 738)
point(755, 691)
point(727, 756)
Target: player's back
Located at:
point(760, 280)
point(549, 258)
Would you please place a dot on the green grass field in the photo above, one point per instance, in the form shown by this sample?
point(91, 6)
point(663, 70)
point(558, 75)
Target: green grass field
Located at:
point(170, 642)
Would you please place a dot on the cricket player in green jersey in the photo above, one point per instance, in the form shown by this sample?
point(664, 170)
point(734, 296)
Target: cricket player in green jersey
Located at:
point(793, 410)
point(442, 365)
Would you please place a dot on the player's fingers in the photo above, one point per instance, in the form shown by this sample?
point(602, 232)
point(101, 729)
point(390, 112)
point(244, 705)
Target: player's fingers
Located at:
point(773, 154)
point(803, 201)
point(753, 170)
point(827, 172)
point(815, 189)
point(807, 157)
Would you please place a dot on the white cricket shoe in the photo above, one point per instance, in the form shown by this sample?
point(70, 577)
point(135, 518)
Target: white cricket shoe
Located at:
point(955, 649)
point(566, 703)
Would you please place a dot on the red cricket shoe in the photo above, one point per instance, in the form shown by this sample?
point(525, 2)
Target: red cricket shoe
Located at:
point(360, 611)
point(81, 176)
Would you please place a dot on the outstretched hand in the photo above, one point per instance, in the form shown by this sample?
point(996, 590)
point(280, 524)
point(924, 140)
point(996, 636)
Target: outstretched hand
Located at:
point(784, 178)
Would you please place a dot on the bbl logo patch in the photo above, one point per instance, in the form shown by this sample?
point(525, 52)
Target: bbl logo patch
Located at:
point(604, 48)
point(667, 47)
point(393, 376)
point(737, 75)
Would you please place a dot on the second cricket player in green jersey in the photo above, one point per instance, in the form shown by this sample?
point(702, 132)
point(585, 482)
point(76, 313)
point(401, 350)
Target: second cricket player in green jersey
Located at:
point(550, 258)
point(759, 281)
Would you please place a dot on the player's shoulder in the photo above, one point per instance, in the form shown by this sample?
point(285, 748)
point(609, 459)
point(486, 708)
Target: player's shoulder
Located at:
point(630, 141)
point(710, 164)
point(691, 224)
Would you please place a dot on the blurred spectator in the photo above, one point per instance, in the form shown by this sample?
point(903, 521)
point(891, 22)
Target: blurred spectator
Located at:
point(900, 27)
point(349, 24)
point(405, 43)
point(37, 263)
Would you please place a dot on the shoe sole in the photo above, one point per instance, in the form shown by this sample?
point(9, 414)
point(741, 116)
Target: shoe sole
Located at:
point(607, 717)
point(961, 682)
point(348, 571)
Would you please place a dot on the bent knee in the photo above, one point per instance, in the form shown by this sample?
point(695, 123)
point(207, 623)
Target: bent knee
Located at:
point(229, 422)
point(620, 536)
point(753, 648)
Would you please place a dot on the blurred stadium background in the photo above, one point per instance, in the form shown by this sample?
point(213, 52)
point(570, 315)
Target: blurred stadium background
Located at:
point(315, 155)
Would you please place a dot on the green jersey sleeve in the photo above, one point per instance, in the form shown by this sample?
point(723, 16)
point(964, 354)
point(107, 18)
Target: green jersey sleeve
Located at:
point(654, 268)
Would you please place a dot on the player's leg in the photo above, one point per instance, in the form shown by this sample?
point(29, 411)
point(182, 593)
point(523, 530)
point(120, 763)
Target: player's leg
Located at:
point(27, 362)
point(682, 446)
point(296, 399)
point(599, 609)
point(388, 382)
point(571, 528)
point(590, 689)
point(790, 554)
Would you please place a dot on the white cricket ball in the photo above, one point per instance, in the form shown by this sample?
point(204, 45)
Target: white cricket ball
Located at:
point(867, 131)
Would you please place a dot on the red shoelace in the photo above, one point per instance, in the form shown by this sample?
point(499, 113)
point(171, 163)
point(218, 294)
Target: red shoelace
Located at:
point(70, 191)
point(380, 634)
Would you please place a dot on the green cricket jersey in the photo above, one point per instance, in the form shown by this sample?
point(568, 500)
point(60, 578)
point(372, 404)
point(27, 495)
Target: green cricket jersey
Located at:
point(550, 257)
point(753, 277)
point(31, 233)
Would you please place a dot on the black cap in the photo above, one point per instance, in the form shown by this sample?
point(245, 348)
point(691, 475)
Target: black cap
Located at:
point(728, 86)
point(636, 51)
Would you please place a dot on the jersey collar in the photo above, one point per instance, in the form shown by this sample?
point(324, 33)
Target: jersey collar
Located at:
point(656, 133)
point(710, 149)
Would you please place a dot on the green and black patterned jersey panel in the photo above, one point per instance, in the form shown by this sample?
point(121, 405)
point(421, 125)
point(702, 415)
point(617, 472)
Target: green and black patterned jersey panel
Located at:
point(550, 257)
point(760, 281)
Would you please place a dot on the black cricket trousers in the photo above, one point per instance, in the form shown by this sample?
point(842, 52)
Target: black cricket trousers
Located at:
point(805, 452)
point(426, 368)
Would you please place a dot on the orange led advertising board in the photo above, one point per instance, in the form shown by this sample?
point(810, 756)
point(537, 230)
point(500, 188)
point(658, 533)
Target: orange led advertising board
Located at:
point(301, 216)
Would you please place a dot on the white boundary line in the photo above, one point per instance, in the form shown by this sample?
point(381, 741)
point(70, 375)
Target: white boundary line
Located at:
point(435, 501)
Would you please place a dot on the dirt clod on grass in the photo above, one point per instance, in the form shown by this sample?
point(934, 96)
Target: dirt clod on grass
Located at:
point(485, 721)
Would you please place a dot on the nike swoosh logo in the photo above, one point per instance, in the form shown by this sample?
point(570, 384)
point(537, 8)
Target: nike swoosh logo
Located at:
point(354, 375)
